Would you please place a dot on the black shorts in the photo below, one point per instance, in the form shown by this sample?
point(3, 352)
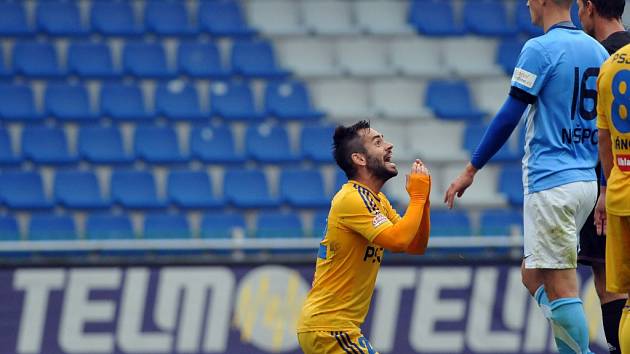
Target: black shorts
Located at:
point(592, 246)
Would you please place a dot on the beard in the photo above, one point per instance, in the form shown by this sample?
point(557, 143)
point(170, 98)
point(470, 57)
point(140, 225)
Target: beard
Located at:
point(377, 168)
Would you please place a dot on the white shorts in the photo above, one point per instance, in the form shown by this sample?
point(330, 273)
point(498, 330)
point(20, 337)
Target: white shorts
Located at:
point(552, 220)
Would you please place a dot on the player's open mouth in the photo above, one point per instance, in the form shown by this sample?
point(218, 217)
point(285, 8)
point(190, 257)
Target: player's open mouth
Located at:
point(388, 160)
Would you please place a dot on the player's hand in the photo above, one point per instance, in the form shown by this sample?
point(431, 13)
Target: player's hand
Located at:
point(459, 185)
point(419, 181)
point(600, 213)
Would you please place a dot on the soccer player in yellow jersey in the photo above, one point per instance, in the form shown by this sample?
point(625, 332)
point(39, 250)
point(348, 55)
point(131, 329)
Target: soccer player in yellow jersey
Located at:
point(613, 122)
point(361, 225)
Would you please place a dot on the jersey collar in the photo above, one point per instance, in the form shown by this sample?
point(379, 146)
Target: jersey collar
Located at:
point(563, 24)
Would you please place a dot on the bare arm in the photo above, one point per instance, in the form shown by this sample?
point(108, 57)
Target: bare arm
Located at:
point(605, 151)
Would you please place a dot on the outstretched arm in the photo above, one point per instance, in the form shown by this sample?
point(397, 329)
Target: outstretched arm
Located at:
point(497, 134)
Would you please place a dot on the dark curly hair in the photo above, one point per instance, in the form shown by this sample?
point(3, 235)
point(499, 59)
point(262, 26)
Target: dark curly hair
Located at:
point(346, 141)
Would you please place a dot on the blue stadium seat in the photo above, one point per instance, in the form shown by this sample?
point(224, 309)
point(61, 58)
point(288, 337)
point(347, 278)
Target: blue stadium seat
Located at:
point(13, 20)
point(500, 222)
point(135, 190)
point(507, 54)
point(316, 142)
point(434, 18)
point(233, 101)
point(223, 18)
point(145, 60)
point(269, 144)
point(5, 72)
point(167, 18)
point(166, 226)
point(340, 180)
point(44, 145)
point(9, 229)
point(191, 189)
point(452, 100)
point(155, 144)
point(201, 60)
point(23, 190)
point(123, 102)
point(108, 227)
point(51, 228)
point(303, 189)
point(90, 60)
point(450, 223)
point(511, 184)
point(68, 103)
point(524, 20)
point(255, 59)
point(17, 103)
point(277, 224)
point(488, 18)
point(247, 189)
point(102, 145)
point(221, 225)
point(36, 60)
point(7, 156)
point(319, 224)
point(178, 101)
point(59, 19)
point(114, 19)
point(289, 100)
point(214, 144)
point(78, 190)
point(472, 137)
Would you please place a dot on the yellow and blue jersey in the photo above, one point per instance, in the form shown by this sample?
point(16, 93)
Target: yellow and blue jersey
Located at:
point(613, 110)
point(347, 261)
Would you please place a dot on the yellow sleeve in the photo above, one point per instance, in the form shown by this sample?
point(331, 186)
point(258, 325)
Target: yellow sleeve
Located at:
point(357, 214)
point(603, 97)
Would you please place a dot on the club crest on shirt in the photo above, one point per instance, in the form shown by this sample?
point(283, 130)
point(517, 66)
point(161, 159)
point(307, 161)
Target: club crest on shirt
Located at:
point(378, 220)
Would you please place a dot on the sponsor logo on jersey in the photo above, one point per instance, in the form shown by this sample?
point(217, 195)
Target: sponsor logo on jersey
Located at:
point(524, 77)
point(623, 162)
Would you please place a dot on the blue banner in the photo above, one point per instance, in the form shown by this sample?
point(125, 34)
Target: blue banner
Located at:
point(253, 309)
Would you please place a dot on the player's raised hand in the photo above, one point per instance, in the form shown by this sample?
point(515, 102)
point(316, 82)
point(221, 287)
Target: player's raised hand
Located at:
point(459, 185)
point(600, 213)
point(419, 180)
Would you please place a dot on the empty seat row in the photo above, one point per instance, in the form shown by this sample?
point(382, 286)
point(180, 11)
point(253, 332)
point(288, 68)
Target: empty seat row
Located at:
point(176, 100)
point(328, 17)
point(436, 18)
point(234, 101)
point(248, 58)
point(268, 224)
point(185, 189)
point(159, 145)
point(374, 57)
point(159, 225)
point(431, 18)
point(446, 99)
point(217, 18)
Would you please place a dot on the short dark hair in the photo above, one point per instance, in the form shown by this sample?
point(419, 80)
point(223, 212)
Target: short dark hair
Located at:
point(346, 141)
point(610, 9)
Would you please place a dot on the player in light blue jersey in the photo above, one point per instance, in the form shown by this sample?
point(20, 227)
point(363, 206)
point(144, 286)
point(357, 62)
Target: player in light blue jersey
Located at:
point(556, 78)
